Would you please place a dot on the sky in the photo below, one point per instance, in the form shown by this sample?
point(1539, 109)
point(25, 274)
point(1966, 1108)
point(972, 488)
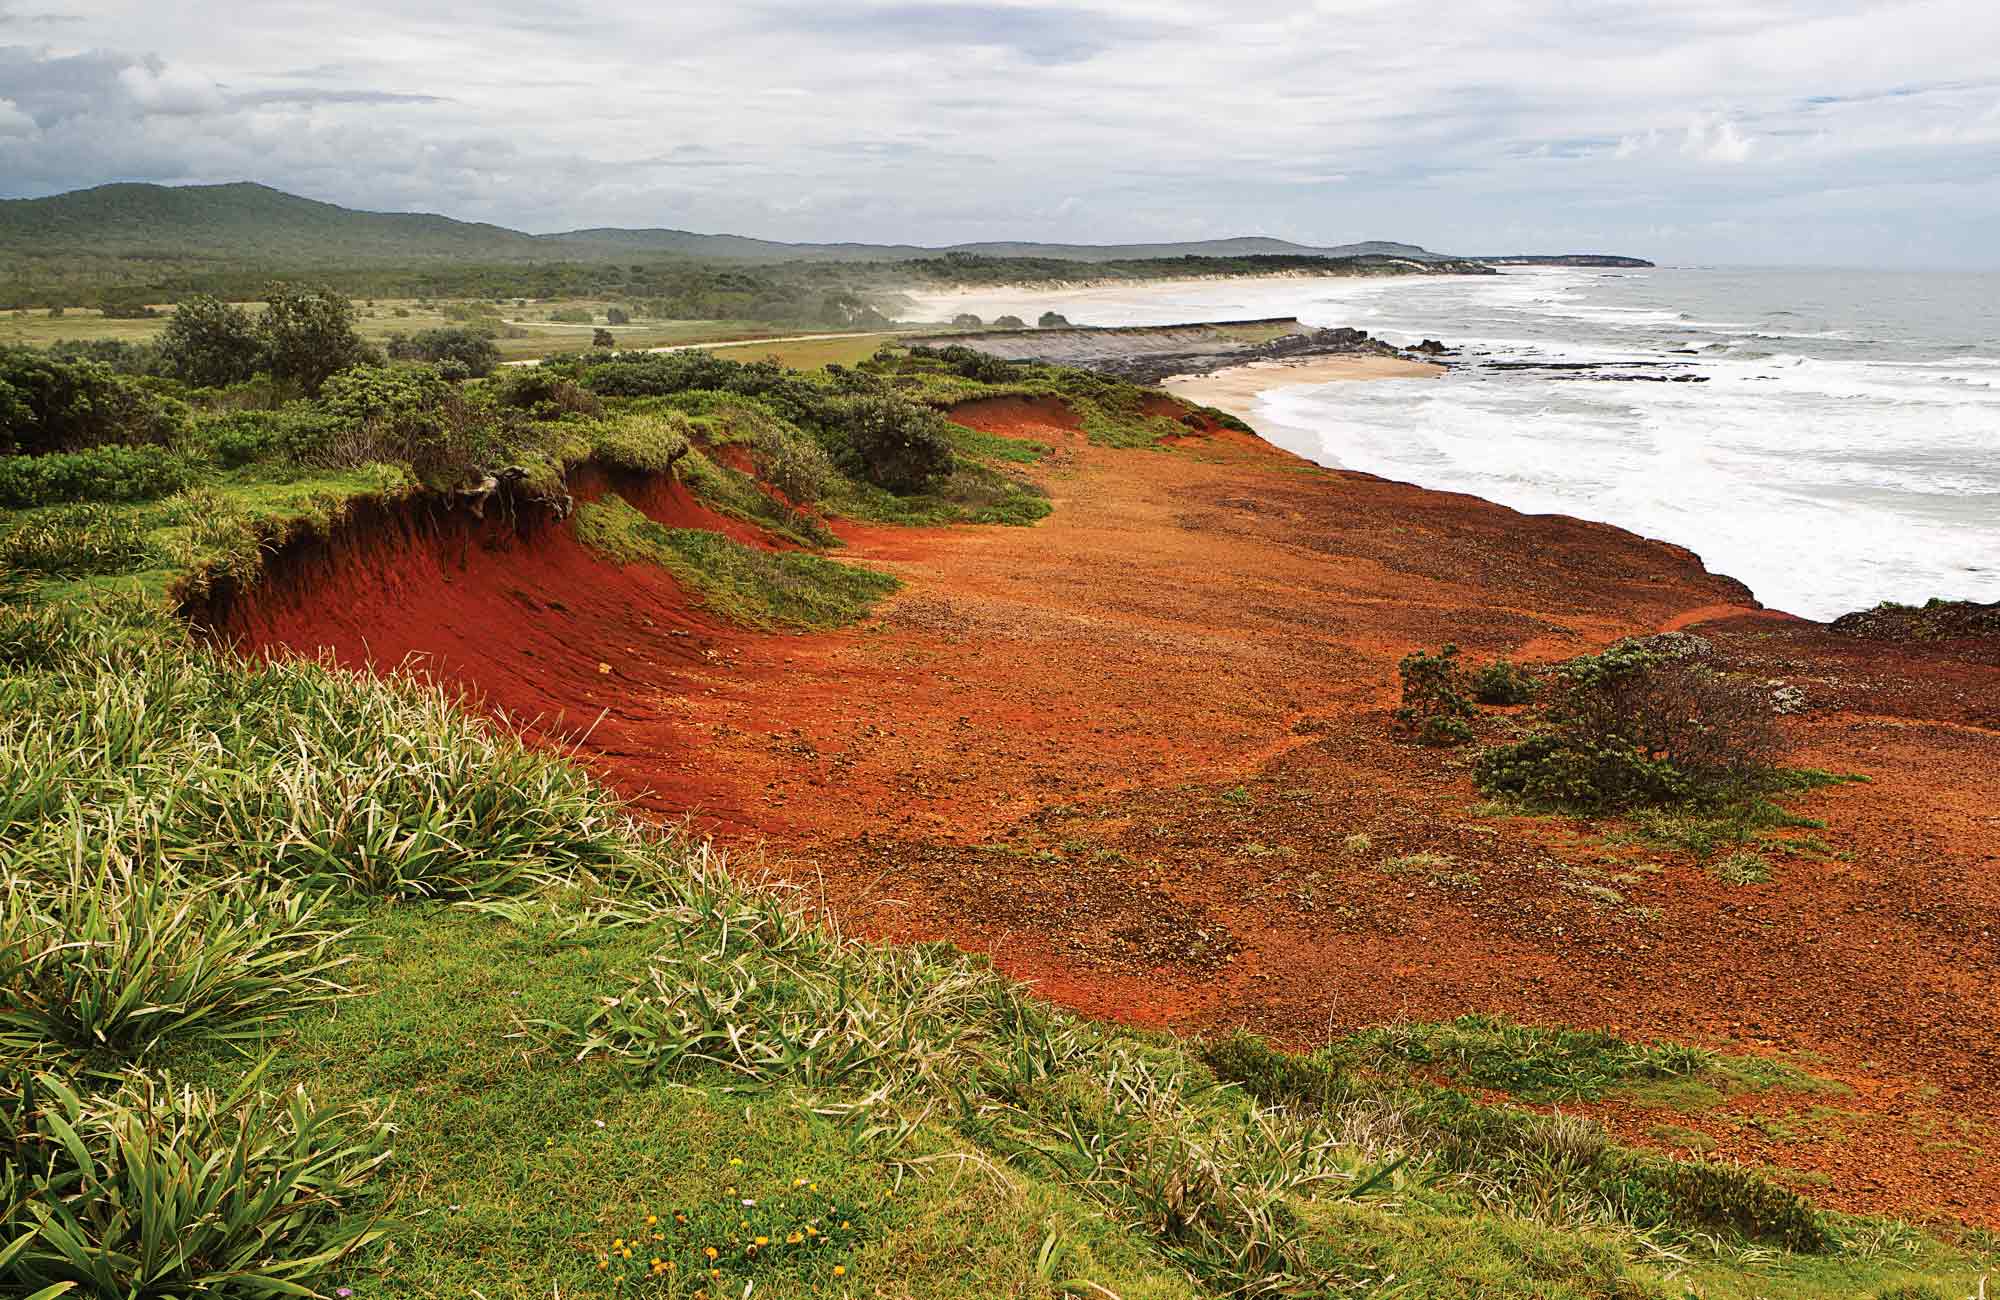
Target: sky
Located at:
point(1742, 132)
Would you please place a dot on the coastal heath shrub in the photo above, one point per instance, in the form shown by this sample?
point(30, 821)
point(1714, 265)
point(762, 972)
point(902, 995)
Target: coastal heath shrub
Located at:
point(50, 405)
point(112, 473)
point(1502, 683)
point(1632, 726)
point(1434, 693)
point(897, 444)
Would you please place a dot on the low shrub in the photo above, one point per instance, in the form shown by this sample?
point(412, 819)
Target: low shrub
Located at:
point(891, 441)
point(1433, 687)
point(543, 392)
point(1502, 683)
point(472, 351)
point(1631, 727)
point(110, 473)
point(792, 463)
point(410, 415)
point(1551, 769)
point(1441, 731)
point(77, 541)
point(51, 405)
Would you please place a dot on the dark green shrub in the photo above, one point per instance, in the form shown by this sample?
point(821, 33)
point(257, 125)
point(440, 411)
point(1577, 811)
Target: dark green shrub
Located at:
point(1502, 683)
point(210, 343)
point(617, 316)
point(1553, 769)
point(308, 336)
point(471, 349)
point(544, 392)
point(49, 404)
point(410, 415)
point(893, 442)
point(1010, 323)
point(1633, 726)
point(100, 474)
point(300, 434)
point(121, 355)
point(1433, 687)
point(1441, 730)
point(603, 339)
point(1052, 320)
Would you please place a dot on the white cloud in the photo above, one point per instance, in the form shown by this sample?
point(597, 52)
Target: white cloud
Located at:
point(1103, 120)
point(174, 91)
point(13, 121)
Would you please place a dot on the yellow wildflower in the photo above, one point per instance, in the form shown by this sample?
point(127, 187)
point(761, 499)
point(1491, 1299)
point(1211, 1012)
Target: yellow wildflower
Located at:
point(794, 1239)
point(763, 1241)
point(710, 1251)
point(840, 1270)
point(735, 1162)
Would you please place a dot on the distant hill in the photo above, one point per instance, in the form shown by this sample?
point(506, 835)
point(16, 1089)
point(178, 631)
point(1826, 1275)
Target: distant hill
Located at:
point(257, 223)
point(243, 220)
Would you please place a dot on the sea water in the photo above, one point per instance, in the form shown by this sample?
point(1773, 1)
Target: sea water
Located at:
point(1841, 448)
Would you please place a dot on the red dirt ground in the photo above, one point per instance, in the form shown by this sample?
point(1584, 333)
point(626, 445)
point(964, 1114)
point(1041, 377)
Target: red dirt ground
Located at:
point(1141, 754)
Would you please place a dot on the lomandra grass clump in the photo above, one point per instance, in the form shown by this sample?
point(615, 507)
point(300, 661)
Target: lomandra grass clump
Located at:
point(118, 957)
point(146, 1189)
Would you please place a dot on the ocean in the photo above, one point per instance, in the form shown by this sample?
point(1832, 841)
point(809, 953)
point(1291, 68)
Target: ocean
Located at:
point(1841, 448)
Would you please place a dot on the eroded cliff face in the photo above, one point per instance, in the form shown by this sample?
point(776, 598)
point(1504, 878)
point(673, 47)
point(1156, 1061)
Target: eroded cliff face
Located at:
point(1141, 753)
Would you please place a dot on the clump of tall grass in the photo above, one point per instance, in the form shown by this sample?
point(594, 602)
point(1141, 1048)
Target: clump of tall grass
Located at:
point(117, 957)
point(77, 541)
point(152, 1190)
point(290, 769)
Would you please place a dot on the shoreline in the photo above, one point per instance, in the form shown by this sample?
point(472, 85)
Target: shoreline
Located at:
point(1236, 389)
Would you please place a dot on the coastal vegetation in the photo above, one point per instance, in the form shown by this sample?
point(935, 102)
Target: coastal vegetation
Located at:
point(319, 981)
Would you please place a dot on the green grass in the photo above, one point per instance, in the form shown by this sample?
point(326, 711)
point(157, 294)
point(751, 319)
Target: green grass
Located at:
point(973, 494)
point(1540, 1064)
point(991, 446)
point(736, 494)
point(763, 589)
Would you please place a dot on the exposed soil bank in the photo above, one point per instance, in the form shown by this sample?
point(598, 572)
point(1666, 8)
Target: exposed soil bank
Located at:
point(1129, 752)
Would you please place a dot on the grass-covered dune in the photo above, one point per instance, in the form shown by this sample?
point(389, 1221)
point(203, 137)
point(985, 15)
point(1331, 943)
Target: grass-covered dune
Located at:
point(318, 981)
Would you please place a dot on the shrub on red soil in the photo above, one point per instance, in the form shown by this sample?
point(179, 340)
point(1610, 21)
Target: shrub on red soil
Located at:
point(1634, 726)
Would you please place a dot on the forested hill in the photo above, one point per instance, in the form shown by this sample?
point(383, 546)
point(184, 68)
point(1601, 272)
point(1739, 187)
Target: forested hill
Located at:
point(264, 224)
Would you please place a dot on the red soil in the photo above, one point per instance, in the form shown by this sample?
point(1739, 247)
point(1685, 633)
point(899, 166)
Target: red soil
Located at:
point(1132, 752)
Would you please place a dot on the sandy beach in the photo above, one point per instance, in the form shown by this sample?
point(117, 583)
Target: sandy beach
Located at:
point(1236, 389)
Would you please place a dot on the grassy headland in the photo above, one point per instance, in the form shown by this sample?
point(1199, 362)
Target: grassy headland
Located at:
point(318, 980)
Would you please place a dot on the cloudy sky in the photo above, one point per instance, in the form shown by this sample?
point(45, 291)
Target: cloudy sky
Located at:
point(1841, 132)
